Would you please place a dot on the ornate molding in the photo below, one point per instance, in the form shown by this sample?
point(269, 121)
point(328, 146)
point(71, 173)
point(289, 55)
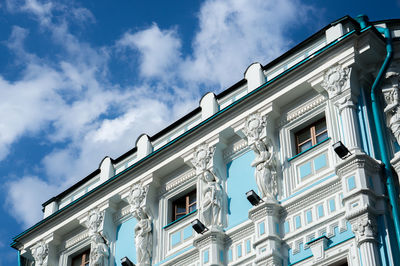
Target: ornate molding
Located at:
point(254, 128)
point(212, 236)
point(358, 161)
point(267, 208)
point(94, 221)
point(181, 180)
point(40, 253)
point(302, 109)
point(364, 228)
point(76, 239)
point(335, 80)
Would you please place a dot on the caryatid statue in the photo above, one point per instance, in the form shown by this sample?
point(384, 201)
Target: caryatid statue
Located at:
point(99, 250)
point(212, 194)
point(143, 228)
point(264, 162)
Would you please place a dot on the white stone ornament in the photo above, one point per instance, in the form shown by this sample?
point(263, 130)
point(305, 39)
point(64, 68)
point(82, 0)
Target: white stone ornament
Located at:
point(254, 126)
point(143, 228)
point(202, 158)
point(392, 99)
point(335, 80)
point(265, 169)
point(364, 229)
point(212, 193)
point(40, 253)
point(95, 218)
point(99, 251)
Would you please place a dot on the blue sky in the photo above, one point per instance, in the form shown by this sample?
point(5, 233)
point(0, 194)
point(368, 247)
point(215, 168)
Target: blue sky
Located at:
point(80, 80)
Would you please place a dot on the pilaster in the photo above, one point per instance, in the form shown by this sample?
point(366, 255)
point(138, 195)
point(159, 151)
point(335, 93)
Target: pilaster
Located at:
point(211, 247)
point(267, 244)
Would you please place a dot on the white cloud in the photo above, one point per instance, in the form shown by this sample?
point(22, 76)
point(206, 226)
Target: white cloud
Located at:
point(66, 98)
point(159, 50)
point(26, 195)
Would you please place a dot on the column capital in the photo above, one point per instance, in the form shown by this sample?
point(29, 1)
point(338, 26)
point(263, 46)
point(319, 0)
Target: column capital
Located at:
point(364, 227)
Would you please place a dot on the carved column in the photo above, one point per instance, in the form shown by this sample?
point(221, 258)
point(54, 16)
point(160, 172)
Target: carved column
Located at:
point(365, 230)
point(349, 120)
point(144, 227)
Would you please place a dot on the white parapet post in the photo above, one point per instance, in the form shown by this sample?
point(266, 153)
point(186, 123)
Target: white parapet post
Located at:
point(106, 169)
point(334, 32)
point(254, 75)
point(144, 146)
point(50, 208)
point(209, 105)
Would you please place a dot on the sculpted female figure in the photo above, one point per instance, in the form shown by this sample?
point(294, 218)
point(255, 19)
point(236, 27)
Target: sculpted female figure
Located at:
point(265, 172)
point(143, 237)
point(212, 199)
point(99, 251)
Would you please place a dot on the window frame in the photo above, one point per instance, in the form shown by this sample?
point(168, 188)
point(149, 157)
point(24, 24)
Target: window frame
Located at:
point(84, 257)
point(186, 198)
point(312, 134)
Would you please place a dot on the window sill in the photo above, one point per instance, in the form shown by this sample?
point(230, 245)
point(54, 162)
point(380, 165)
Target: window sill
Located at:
point(301, 153)
point(180, 219)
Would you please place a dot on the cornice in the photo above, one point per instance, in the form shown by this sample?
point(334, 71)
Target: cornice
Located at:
point(358, 161)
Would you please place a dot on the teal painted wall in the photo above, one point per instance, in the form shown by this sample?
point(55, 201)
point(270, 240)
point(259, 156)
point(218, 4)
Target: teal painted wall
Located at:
point(240, 179)
point(125, 241)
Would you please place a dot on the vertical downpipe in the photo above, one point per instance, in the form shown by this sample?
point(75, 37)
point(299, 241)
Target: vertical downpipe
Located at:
point(380, 129)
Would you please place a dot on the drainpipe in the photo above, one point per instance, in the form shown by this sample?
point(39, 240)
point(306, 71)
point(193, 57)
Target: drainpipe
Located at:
point(19, 258)
point(363, 20)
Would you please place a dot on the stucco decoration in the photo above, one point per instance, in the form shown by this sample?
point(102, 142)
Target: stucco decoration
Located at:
point(265, 169)
point(264, 162)
point(99, 251)
point(335, 80)
point(254, 126)
point(143, 228)
point(40, 253)
point(392, 99)
point(364, 228)
point(211, 204)
point(95, 218)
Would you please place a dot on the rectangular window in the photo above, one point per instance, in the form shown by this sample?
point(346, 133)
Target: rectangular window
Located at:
point(82, 259)
point(320, 211)
point(184, 205)
point(248, 246)
point(261, 228)
point(309, 216)
point(239, 250)
point(332, 205)
point(311, 135)
point(297, 221)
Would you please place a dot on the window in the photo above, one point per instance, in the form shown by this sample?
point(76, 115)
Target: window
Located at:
point(184, 205)
point(82, 259)
point(311, 135)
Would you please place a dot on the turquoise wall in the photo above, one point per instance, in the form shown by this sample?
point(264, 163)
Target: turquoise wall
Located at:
point(125, 241)
point(240, 179)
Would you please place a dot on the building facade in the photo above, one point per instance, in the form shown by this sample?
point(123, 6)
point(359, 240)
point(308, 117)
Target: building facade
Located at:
point(300, 133)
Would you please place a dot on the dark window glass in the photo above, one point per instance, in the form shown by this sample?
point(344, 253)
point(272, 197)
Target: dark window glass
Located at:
point(311, 135)
point(184, 205)
point(82, 259)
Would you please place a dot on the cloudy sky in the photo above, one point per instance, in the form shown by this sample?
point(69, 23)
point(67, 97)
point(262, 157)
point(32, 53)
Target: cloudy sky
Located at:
point(80, 80)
